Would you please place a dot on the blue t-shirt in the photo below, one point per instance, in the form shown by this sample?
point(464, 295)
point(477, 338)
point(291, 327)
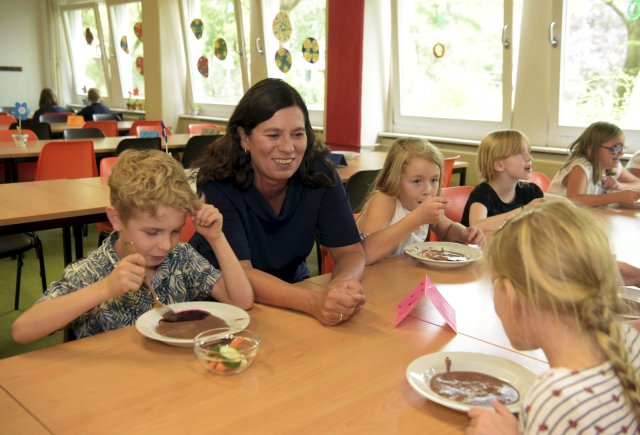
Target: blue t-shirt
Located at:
point(279, 244)
point(485, 195)
point(88, 111)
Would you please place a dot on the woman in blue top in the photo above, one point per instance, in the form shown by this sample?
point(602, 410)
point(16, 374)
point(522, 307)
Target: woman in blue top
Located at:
point(273, 184)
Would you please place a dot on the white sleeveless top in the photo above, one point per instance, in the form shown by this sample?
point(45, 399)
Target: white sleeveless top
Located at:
point(556, 187)
point(418, 235)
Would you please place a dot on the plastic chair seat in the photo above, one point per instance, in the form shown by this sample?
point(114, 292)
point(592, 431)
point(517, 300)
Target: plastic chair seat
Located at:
point(82, 133)
point(141, 143)
point(196, 145)
point(458, 197)
point(41, 129)
point(358, 187)
point(447, 170)
point(133, 131)
point(108, 128)
point(67, 159)
point(16, 245)
point(106, 117)
point(55, 117)
point(541, 180)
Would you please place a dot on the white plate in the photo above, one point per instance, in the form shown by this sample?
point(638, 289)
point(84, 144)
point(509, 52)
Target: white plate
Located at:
point(472, 253)
point(234, 316)
point(422, 369)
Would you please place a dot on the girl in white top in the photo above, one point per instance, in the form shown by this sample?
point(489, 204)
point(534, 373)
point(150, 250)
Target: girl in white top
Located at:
point(555, 287)
point(593, 175)
point(405, 203)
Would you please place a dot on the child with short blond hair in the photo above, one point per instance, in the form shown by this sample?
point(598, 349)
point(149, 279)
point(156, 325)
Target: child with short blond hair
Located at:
point(150, 198)
point(504, 161)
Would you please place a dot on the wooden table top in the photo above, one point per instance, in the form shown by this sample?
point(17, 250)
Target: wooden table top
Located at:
point(107, 145)
point(59, 127)
point(367, 160)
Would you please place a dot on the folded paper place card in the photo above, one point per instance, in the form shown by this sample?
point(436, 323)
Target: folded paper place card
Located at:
point(75, 120)
point(426, 287)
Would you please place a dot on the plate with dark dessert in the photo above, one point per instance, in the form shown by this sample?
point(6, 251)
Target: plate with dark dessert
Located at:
point(443, 255)
point(464, 380)
point(191, 319)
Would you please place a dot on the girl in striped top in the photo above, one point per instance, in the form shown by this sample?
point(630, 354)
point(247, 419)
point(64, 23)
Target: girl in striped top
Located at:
point(555, 287)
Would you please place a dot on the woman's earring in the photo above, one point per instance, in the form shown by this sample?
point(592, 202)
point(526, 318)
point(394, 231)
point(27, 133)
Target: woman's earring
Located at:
point(246, 151)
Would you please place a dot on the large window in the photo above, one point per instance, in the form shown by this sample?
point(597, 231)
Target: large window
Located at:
point(454, 63)
point(85, 43)
point(597, 59)
point(127, 31)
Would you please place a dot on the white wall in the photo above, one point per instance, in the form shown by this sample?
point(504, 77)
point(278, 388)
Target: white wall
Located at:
point(23, 43)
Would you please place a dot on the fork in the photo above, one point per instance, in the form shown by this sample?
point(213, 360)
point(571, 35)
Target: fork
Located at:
point(164, 310)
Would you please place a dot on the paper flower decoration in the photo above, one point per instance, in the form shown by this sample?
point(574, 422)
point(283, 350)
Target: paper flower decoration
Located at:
point(124, 44)
point(140, 65)
point(311, 50)
point(282, 27)
point(137, 29)
point(88, 36)
point(283, 60)
point(220, 49)
point(136, 92)
point(203, 66)
point(20, 111)
point(197, 27)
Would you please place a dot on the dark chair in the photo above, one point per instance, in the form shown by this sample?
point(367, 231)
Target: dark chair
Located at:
point(106, 117)
point(195, 147)
point(41, 129)
point(140, 143)
point(16, 245)
point(54, 117)
point(358, 187)
point(82, 133)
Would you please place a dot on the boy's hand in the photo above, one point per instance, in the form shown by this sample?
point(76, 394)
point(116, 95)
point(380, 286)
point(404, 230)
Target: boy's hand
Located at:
point(128, 275)
point(208, 222)
point(432, 209)
point(474, 235)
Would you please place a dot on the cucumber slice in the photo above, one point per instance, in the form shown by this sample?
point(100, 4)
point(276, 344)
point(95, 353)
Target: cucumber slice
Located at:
point(232, 358)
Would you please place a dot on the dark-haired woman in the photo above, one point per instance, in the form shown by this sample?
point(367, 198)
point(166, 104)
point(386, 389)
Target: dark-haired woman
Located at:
point(276, 189)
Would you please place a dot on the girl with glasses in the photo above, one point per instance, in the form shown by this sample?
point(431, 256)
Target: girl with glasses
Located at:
point(593, 175)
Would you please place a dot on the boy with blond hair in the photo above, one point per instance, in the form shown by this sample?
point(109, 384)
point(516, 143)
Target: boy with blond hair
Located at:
point(150, 198)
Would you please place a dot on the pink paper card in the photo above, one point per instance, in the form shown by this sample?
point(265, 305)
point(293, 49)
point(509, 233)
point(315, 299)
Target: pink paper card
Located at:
point(440, 303)
point(407, 304)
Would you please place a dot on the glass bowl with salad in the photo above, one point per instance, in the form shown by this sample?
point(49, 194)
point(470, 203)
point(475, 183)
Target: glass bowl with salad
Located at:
point(226, 351)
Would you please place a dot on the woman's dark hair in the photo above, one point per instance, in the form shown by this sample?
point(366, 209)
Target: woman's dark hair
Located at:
point(225, 160)
point(48, 98)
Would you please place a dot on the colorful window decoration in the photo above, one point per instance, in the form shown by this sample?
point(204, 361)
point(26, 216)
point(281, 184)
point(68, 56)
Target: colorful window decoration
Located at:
point(283, 60)
point(197, 27)
point(88, 36)
point(311, 50)
point(282, 31)
point(124, 45)
point(140, 65)
point(220, 49)
point(203, 66)
point(137, 29)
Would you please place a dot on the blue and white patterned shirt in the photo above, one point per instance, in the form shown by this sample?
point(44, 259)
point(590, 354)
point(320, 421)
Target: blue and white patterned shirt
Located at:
point(183, 276)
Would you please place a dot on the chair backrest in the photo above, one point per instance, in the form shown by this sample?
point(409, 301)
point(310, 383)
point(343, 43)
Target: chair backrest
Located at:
point(447, 170)
point(106, 117)
point(133, 131)
point(7, 119)
point(457, 196)
point(188, 230)
point(41, 129)
point(541, 180)
point(82, 133)
point(195, 147)
point(140, 143)
point(148, 131)
point(106, 166)
point(66, 159)
point(55, 117)
point(109, 128)
point(358, 187)
point(6, 134)
point(197, 128)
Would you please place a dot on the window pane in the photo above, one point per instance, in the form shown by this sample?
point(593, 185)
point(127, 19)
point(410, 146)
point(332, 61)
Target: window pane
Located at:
point(126, 19)
point(85, 48)
point(299, 29)
point(216, 75)
point(600, 64)
point(451, 59)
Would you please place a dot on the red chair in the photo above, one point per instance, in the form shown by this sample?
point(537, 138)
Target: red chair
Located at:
point(7, 119)
point(447, 170)
point(109, 128)
point(197, 128)
point(26, 170)
point(541, 180)
point(188, 230)
point(457, 196)
point(133, 131)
